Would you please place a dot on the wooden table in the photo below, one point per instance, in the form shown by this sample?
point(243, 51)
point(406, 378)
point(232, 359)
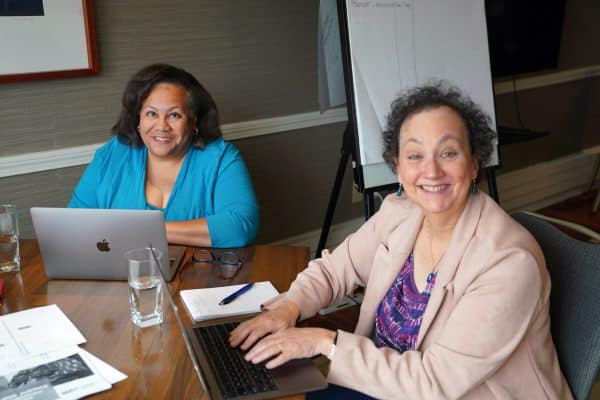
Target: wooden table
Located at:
point(155, 359)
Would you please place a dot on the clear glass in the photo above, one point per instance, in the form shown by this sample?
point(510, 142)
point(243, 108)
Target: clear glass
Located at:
point(145, 289)
point(10, 259)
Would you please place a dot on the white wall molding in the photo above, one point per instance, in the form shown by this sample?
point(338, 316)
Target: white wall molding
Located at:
point(529, 189)
point(259, 127)
point(80, 155)
point(46, 160)
point(72, 156)
point(546, 183)
point(547, 79)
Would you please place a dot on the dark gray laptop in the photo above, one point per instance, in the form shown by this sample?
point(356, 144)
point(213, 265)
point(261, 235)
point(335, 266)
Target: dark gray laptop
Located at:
point(81, 243)
point(228, 376)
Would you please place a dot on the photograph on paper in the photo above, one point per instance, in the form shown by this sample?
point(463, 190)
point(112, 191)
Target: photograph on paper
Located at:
point(61, 375)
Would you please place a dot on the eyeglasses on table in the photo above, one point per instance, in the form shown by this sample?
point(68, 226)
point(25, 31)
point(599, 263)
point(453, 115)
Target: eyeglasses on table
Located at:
point(229, 261)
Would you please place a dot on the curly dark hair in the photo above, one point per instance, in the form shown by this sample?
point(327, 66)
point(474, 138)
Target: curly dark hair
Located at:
point(201, 104)
point(433, 95)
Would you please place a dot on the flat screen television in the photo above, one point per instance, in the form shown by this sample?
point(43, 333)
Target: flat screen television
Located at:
point(524, 35)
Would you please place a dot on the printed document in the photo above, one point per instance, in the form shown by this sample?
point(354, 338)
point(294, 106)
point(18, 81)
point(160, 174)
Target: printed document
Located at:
point(40, 358)
point(35, 331)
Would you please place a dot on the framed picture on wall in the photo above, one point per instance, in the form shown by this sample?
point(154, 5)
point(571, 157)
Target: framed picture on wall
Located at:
point(47, 39)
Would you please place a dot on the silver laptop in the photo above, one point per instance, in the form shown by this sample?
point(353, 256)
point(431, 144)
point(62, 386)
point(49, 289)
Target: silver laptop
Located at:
point(226, 375)
point(81, 243)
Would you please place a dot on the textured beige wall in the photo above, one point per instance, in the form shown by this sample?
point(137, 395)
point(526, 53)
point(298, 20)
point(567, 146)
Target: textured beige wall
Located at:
point(581, 31)
point(258, 59)
point(567, 112)
point(42, 189)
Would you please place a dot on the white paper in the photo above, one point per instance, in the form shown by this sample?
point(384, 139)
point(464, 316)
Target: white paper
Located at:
point(49, 42)
point(203, 304)
point(35, 331)
point(414, 41)
point(61, 374)
point(332, 91)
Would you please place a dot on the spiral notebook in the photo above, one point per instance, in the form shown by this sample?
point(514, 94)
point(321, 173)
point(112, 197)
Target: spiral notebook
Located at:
point(203, 304)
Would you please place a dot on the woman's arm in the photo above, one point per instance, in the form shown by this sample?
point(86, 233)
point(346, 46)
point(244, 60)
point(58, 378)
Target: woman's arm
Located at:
point(235, 220)
point(85, 194)
point(482, 330)
point(474, 339)
point(325, 281)
point(190, 233)
point(218, 185)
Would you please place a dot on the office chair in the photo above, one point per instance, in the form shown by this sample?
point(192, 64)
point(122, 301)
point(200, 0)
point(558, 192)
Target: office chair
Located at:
point(574, 268)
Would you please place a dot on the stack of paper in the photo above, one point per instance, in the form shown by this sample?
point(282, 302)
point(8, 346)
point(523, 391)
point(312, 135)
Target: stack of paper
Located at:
point(203, 304)
point(40, 358)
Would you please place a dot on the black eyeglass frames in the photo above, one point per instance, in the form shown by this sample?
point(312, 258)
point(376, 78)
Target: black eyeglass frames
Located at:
point(228, 260)
point(207, 256)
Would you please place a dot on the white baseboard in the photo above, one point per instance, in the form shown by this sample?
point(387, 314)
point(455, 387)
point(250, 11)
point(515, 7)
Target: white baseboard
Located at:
point(530, 189)
point(546, 183)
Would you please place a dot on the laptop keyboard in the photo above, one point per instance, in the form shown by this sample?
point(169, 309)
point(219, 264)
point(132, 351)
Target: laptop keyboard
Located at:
point(235, 376)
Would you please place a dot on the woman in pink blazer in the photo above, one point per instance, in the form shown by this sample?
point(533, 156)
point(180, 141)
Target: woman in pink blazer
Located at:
point(457, 293)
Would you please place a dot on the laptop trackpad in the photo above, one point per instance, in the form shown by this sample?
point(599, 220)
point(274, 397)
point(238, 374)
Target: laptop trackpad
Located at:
point(299, 376)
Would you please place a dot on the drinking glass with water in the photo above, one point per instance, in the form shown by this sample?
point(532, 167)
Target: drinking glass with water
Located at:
point(145, 296)
point(10, 259)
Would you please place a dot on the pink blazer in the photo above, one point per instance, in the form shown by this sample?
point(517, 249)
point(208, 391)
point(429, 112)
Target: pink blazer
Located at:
point(486, 330)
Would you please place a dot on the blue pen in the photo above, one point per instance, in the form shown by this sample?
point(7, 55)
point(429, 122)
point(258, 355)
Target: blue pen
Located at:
point(236, 294)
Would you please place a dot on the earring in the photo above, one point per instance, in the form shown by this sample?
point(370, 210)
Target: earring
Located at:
point(473, 187)
point(400, 190)
point(196, 131)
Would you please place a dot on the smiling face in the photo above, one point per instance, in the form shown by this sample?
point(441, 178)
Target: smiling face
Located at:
point(435, 164)
point(166, 125)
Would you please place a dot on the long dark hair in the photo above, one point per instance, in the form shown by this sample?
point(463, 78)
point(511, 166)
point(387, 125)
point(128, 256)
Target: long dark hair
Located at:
point(201, 104)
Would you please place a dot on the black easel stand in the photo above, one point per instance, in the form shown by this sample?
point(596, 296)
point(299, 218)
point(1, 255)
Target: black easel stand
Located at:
point(347, 152)
point(369, 197)
point(490, 174)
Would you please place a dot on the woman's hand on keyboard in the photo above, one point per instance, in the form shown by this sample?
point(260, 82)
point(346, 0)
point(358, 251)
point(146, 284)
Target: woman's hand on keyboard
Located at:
point(291, 343)
point(249, 332)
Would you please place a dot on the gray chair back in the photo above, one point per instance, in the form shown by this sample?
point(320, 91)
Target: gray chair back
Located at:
point(574, 268)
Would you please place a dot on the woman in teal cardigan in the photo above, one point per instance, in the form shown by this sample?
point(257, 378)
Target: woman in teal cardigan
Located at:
point(167, 153)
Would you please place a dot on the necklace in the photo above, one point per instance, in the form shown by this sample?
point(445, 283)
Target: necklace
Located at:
point(433, 264)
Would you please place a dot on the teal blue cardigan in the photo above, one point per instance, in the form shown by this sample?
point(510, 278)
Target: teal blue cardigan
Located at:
point(213, 183)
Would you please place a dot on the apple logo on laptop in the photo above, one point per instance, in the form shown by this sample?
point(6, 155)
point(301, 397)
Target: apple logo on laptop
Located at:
point(103, 245)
